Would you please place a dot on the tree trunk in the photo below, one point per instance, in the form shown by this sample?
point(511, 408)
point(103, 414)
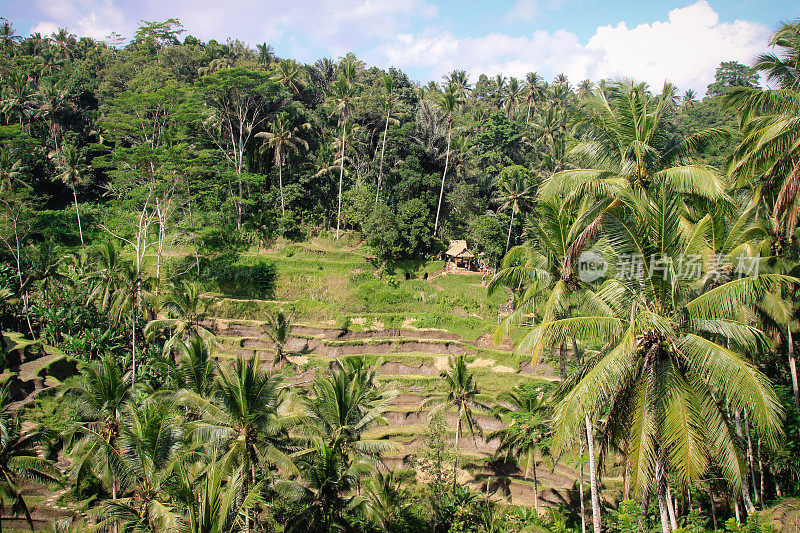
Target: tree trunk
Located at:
point(341, 177)
point(793, 367)
point(593, 476)
point(78, 215)
point(510, 225)
point(713, 505)
point(383, 149)
point(748, 503)
point(280, 184)
point(458, 449)
point(194, 233)
point(673, 519)
point(750, 457)
point(444, 175)
point(762, 476)
point(662, 497)
point(535, 484)
point(580, 488)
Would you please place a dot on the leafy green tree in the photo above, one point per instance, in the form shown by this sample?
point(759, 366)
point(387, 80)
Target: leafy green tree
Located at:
point(343, 94)
point(388, 87)
point(184, 309)
point(196, 368)
point(515, 194)
point(277, 328)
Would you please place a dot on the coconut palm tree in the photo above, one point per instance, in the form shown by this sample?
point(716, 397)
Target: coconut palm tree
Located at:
point(184, 310)
point(150, 454)
point(133, 300)
point(196, 369)
point(62, 41)
point(528, 425)
point(11, 170)
point(54, 104)
point(289, 74)
point(102, 396)
point(344, 94)
point(515, 194)
point(385, 499)
point(107, 276)
point(458, 81)
point(8, 35)
point(282, 139)
point(345, 404)
point(462, 396)
point(20, 461)
point(72, 173)
point(664, 372)
point(534, 92)
point(689, 98)
point(513, 95)
point(448, 102)
point(326, 491)
point(266, 54)
point(500, 90)
point(277, 329)
point(241, 419)
point(18, 98)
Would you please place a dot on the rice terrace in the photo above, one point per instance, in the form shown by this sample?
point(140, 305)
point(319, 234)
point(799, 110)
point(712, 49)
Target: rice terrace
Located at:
point(368, 267)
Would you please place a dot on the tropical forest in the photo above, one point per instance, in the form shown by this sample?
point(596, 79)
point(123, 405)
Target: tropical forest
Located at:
point(240, 292)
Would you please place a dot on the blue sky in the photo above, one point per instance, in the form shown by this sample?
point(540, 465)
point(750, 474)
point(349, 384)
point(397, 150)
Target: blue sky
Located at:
point(681, 42)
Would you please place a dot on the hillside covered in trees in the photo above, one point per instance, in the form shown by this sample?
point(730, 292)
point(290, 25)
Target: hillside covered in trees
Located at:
point(224, 306)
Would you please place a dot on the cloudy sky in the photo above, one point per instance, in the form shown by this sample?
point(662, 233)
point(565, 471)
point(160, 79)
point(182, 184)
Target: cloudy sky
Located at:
point(651, 41)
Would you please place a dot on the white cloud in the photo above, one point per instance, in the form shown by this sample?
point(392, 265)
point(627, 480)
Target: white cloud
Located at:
point(527, 10)
point(685, 49)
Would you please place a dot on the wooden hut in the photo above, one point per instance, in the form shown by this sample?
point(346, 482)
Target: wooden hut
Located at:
point(459, 255)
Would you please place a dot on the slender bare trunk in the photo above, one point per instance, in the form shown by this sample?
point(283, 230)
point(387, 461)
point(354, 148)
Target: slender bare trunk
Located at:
point(133, 333)
point(78, 215)
point(748, 503)
point(383, 149)
point(593, 476)
point(458, 450)
point(662, 497)
point(736, 510)
point(793, 367)
point(280, 184)
point(535, 484)
point(673, 519)
point(26, 307)
point(750, 456)
point(762, 477)
point(510, 225)
point(341, 177)
point(713, 504)
point(194, 233)
point(444, 175)
point(580, 488)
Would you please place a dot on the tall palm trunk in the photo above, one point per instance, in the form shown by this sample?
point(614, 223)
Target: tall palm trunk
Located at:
point(673, 517)
point(535, 484)
point(279, 159)
point(793, 367)
point(78, 215)
point(458, 450)
point(580, 487)
point(383, 149)
point(133, 330)
point(661, 496)
point(444, 175)
point(510, 225)
point(593, 476)
point(341, 176)
point(748, 503)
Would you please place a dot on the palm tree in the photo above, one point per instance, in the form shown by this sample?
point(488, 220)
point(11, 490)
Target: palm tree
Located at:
point(689, 97)
point(266, 54)
point(527, 427)
point(458, 81)
point(343, 90)
point(327, 492)
point(151, 451)
point(664, 380)
point(184, 311)
point(62, 41)
point(18, 96)
point(515, 194)
point(73, 173)
point(242, 420)
point(288, 73)
point(282, 139)
point(385, 499)
point(448, 102)
point(107, 277)
point(534, 92)
point(513, 95)
point(132, 299)
point(20, 461)
point(102, 395)
point(11, 170)
point(500, 90)
point(54, 104)
point(343, 405)
point(8, 35)
point(388, 87)
point(277, 328)
point(196, 369)
point(462, 396)
point(585, 88)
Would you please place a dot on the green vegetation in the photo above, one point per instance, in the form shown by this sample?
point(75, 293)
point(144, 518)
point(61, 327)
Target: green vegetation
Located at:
point(223, 304)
